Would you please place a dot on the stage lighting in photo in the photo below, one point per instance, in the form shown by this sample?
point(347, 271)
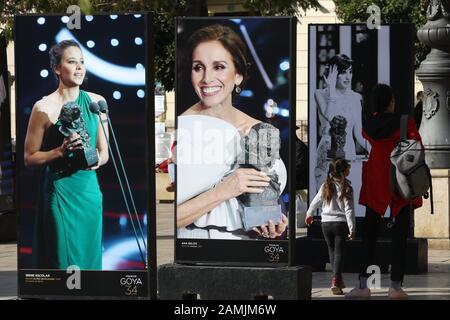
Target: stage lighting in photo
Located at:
point(255, 56)
point(140, 93)
point(284, 65)
point(117, 95)
point(42, 47)
point(246, 93)
point(122, 254)
point(123, 221)
point(284, 113)
point(104, 69)
point(44, 73)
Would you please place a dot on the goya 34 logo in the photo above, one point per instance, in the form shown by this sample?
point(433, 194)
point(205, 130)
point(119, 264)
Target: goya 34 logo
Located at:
point(273, 251)
point(131, 284)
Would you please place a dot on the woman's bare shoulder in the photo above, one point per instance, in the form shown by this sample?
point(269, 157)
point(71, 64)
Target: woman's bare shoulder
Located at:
point(245, 122)
point(193, 110)
point(252, 122)
point(41, 104)
point(45, 104)
point(45, 111)
point(356, 96)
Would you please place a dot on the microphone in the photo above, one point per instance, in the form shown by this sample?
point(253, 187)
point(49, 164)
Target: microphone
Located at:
point(94, 107)
point(102, 107)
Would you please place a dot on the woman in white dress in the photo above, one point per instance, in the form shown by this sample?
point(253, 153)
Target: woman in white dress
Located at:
point(338, 103)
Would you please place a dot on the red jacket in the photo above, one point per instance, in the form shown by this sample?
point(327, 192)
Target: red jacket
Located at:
point(383, 133)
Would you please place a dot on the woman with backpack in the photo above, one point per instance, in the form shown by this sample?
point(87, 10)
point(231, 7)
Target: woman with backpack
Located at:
point(382, 129)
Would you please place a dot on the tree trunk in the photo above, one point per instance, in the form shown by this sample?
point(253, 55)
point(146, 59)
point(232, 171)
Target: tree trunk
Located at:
point(197, 8)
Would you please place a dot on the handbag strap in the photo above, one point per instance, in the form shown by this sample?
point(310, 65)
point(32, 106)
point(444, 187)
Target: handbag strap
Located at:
point(403, 126)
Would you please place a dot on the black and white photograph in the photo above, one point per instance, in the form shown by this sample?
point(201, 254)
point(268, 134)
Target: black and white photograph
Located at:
point(345, 63)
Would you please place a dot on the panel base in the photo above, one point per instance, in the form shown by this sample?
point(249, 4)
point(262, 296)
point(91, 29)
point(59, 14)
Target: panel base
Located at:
point(178, 281)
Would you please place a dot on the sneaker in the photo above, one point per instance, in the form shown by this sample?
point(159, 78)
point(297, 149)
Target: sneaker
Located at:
point(340, 283)
point(357, 293)
point(335, 287)
point(397, 294)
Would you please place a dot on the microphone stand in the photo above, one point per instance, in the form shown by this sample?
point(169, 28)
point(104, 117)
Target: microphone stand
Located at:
point(125, 176)
point(123, 194)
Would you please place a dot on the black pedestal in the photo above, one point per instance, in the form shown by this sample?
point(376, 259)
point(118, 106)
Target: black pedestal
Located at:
point(8, 226)
point(315, 230)
point(6, 202)
point(313, 252)
point(178, 281)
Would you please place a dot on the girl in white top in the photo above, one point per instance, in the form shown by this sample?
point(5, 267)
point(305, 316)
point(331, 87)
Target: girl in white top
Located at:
point(335, 197)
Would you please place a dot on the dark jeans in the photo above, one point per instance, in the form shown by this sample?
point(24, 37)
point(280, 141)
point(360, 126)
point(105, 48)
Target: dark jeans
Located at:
point(400, 231)
point(335, 234)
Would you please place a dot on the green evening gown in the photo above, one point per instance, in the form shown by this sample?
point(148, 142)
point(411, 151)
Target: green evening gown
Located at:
point(68, 225)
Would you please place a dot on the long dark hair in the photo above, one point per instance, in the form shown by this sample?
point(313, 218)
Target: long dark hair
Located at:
point(336, 174)
point(380, 97)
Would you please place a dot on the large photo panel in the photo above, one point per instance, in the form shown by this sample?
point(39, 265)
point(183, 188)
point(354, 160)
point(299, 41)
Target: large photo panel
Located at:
point(6, 163)
point(83, 96)
point(235, 107)
point(360, 58)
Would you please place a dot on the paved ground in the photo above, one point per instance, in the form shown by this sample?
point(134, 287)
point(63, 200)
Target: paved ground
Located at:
point(433, 285)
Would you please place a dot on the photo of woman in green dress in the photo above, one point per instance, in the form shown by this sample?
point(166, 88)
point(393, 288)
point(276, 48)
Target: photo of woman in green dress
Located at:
point(68, 222)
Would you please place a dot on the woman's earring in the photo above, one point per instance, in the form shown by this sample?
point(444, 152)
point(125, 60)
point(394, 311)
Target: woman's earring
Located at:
point(237, 89)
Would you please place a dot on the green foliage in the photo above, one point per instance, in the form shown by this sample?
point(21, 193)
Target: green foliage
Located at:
point(392, 11)
point(164, 11)
point(279, 7)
